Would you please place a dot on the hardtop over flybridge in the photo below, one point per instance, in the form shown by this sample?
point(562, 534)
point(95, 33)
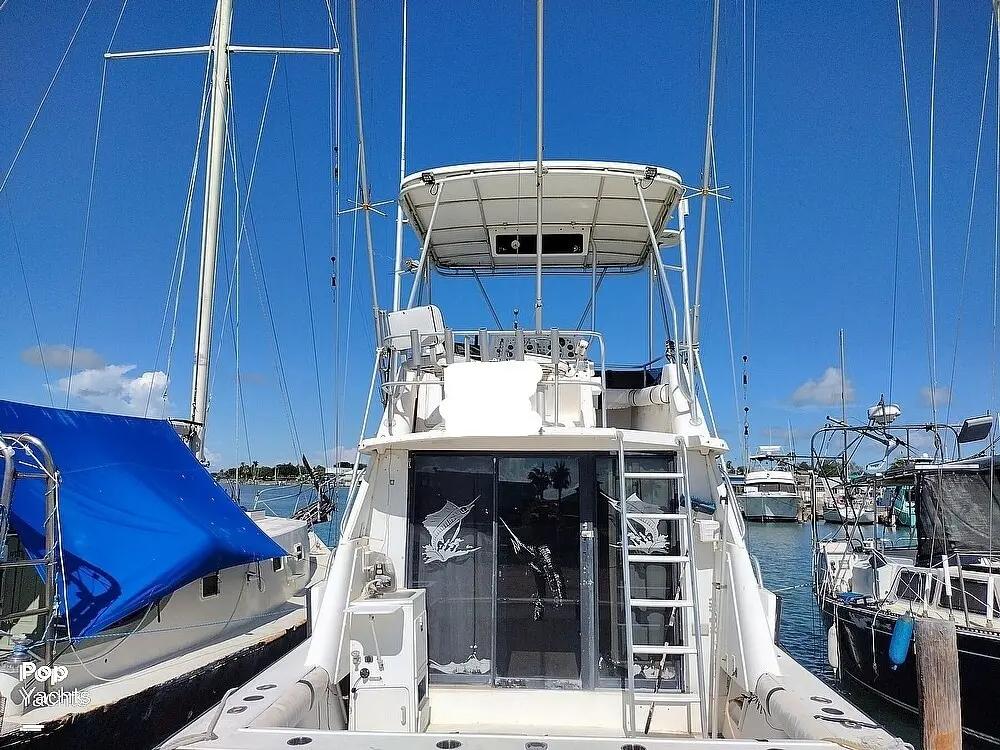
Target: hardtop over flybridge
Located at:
point(543, 551)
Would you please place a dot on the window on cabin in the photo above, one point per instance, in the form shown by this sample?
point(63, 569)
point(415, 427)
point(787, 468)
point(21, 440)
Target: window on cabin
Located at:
point(975, 596)
point(910, 586)
point(277, 563)
point(210, 586)
point(299, 554)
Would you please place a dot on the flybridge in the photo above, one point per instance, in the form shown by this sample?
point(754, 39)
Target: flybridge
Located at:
point(594, 214)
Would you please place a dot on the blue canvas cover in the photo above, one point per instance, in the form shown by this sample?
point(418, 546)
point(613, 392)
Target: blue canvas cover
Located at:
point(140, 516)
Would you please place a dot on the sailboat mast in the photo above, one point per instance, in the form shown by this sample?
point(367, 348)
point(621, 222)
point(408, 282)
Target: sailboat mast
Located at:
point(210, 224)
point(538, 179)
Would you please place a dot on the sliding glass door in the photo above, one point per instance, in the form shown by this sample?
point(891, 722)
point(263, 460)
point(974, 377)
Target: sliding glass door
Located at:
point(520, 556)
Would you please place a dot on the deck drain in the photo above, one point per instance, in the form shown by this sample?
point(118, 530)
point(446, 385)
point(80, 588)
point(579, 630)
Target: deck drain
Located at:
point(448, 744)
point(236, 710)
point(268, 686)
point(254, 698)
point(833, 711)
point(536, 745)
point(821, 699)
point(299, 741)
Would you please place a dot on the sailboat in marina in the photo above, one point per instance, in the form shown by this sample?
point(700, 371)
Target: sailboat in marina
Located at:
point(543, 549)
point(133, 590)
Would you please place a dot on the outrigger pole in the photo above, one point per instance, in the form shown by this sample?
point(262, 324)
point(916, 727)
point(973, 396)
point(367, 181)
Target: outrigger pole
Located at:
point(538, 177)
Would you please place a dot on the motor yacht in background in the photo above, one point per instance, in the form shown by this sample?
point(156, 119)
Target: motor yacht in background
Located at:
point(769, 491)
point(856, 507)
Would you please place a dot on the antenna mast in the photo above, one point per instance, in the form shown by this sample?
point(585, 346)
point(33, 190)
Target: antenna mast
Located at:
point(538, 177)
point(397, 277)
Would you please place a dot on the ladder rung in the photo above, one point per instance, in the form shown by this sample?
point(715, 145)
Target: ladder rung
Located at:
point(661, 603)
point(656, 475)
point(659, 558)
point(661, 650)
point(659, 516)
point(667, 697)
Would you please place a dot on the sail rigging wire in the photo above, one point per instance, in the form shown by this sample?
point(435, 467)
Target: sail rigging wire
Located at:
point(180, 253)
point(913, 169)
point(749, 92)
point(48, 89)
point(895, 280)
point(350, 301)
point(707, 173)
point(302, 242)
point(260, 280)
point(930, 223)
point(995, 23)
point(363, 167)
point(90, 192)
point(241, 214)
point(725, 299)
point(968, 233)
point(335, 94)
point(27, 294)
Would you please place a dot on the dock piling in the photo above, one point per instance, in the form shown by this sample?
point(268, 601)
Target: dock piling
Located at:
point(938, 684)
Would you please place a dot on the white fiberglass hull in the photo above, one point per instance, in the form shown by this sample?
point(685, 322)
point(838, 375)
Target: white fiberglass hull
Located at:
point(849, 514)
point(765, 507)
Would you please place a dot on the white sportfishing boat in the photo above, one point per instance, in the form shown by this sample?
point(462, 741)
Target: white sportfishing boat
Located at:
point(543, 550)
point(133, 590)
point(534, 552)
point(770, 493)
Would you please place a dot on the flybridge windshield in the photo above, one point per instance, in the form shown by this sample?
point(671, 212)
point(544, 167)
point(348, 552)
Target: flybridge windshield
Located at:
point(956, 512)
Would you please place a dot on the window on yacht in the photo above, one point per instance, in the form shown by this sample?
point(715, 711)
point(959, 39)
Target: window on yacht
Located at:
point(975, 596)
point(210, 586)
point(277, 563)
point(910, 586)
point(774, 487)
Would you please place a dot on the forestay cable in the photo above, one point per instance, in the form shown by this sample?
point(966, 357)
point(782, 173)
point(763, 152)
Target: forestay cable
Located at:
point(968, 233)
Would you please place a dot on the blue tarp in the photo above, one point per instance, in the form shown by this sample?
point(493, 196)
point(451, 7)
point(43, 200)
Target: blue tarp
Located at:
point(140, 517)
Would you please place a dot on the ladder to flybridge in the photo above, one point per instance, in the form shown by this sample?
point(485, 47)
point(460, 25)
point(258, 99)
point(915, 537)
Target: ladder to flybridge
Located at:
point(680, 522)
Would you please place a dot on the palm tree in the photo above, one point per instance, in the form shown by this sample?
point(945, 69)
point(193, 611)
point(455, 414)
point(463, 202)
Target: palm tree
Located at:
point(539, 479)
point(560, 477)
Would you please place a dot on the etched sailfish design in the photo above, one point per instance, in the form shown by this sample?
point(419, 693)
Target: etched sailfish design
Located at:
point(643, 533)
point(445, 528)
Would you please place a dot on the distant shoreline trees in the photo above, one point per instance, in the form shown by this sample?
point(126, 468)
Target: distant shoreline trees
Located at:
point(254, 472)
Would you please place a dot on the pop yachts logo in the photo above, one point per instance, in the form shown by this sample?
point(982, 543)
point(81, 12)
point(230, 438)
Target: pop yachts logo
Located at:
point(35, 698)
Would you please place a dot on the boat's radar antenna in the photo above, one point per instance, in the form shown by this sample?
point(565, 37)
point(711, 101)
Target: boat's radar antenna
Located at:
point(883, 414)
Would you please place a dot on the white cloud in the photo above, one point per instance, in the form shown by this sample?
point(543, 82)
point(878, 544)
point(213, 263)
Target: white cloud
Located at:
point(826, 391)
point(61, 356)
point(343, 453)
point(110, 389)
point(941, 395)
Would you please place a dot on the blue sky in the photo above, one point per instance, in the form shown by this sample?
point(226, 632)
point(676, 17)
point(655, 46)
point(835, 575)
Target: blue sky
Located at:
point(832, 209)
